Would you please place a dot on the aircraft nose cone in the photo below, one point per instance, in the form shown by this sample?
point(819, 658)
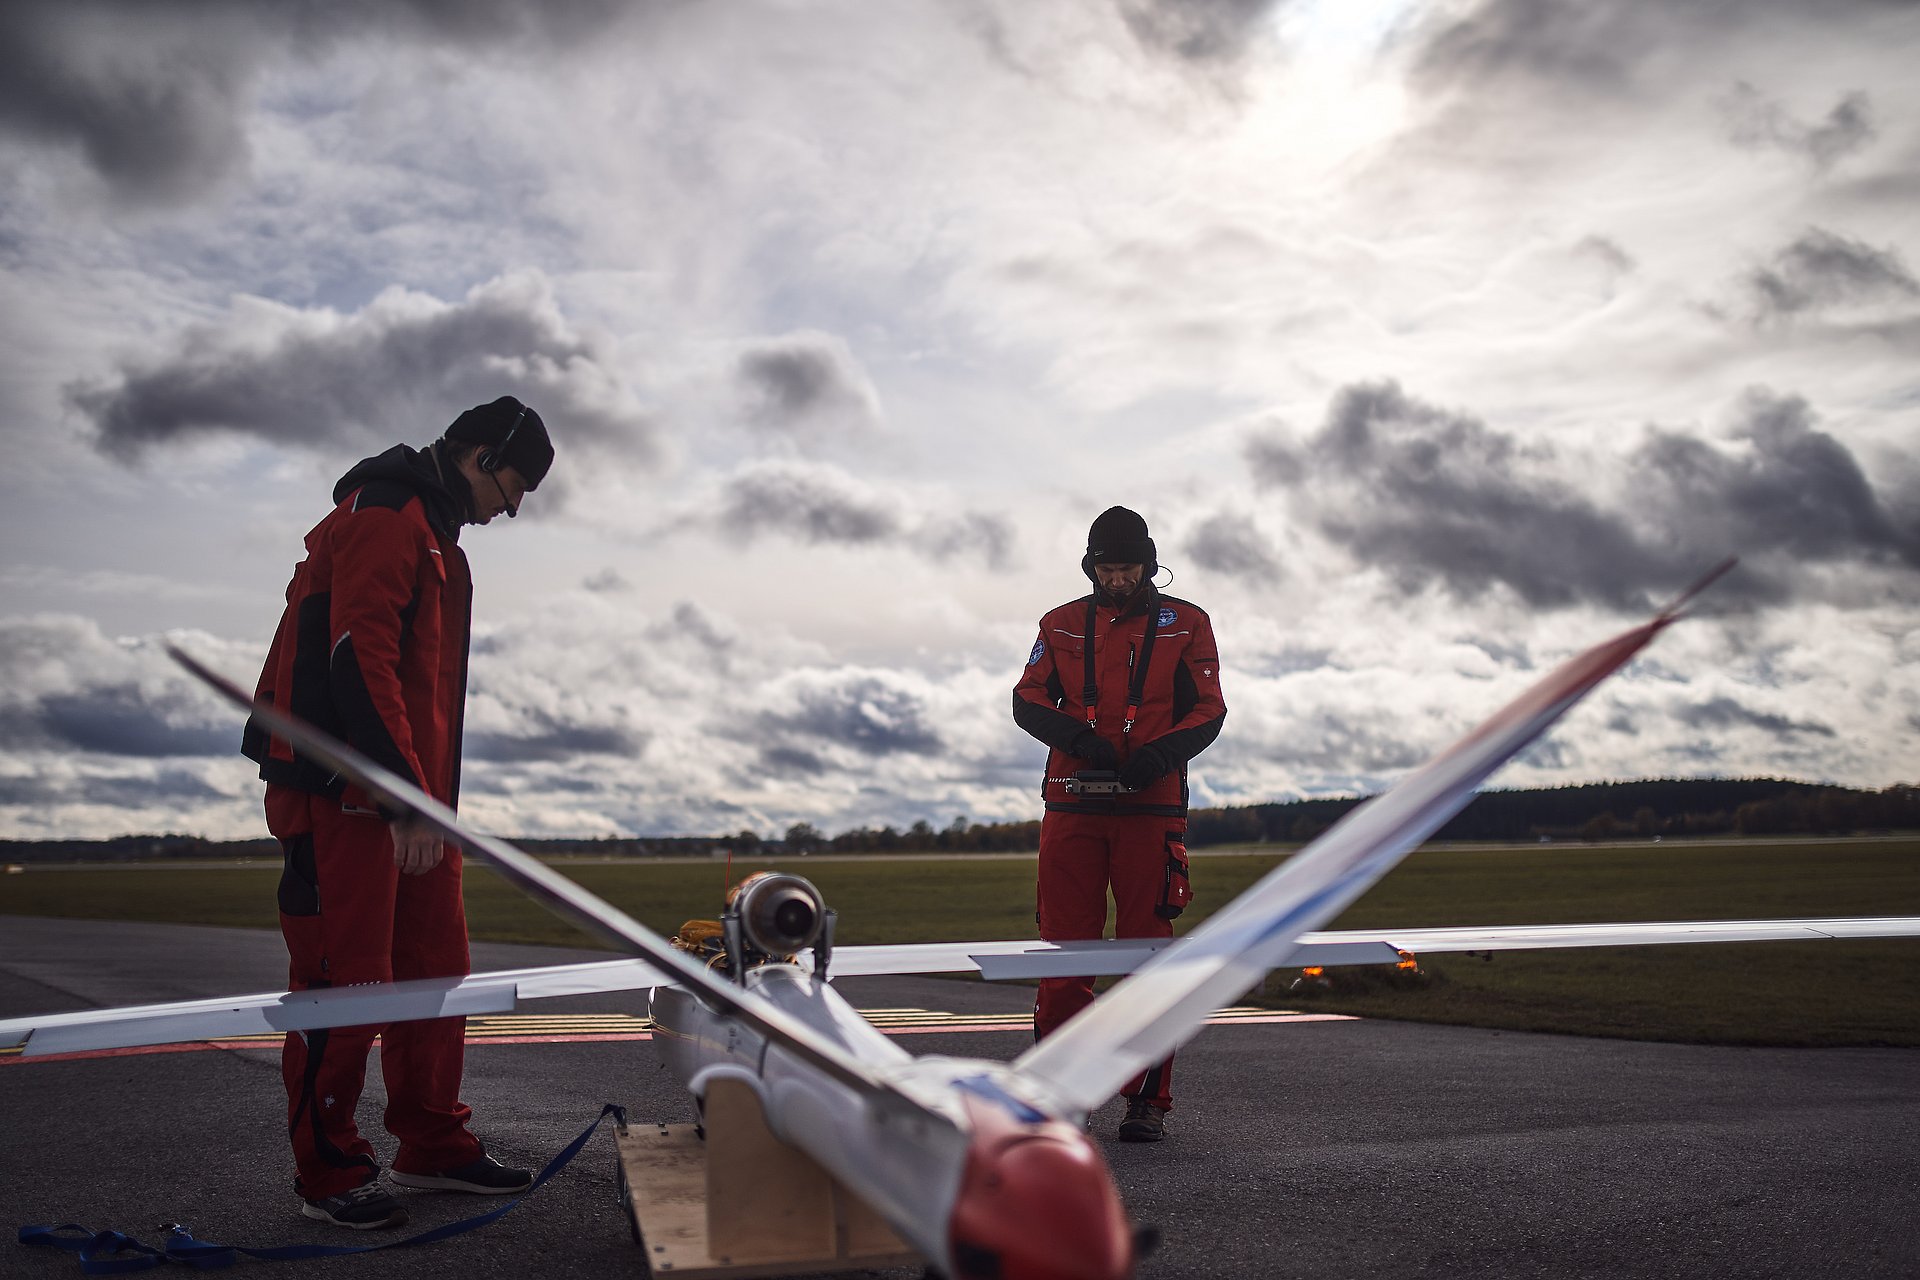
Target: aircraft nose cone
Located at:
point(1039, 1205)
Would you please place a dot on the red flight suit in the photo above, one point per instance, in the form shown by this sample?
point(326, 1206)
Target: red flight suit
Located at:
point(1133, 843)
point(372, 648)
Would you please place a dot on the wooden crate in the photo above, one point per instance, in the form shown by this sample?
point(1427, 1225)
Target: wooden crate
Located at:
point(740, 1203)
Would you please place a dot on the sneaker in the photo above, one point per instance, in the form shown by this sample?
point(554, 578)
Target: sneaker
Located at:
point(1144, 1122)
point(364, 1208)
point(484, 1177)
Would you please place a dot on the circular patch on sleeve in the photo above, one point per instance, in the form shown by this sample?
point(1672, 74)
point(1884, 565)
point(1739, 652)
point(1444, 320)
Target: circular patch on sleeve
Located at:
point(1039, 652)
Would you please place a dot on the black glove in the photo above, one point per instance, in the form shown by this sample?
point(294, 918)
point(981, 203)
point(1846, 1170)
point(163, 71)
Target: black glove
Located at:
point(1146, 766)
point(1094, 749)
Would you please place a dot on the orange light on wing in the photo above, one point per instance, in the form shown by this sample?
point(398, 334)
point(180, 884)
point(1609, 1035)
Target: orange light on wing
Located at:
point(1408, 963)
point(1312, 971)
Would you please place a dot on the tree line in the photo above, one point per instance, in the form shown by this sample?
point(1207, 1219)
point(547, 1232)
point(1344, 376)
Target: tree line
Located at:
point(1677, 807)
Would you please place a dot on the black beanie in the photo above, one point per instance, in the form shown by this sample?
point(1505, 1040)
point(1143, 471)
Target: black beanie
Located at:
point(513, 432)
point(1119, 536)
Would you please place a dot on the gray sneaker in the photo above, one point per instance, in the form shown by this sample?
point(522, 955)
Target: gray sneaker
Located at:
point(365, 1208)
point(483, 1177)
point(1144, 1122)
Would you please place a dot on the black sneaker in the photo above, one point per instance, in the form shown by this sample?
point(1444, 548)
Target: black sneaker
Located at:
point(365, 1208)
point(1144, 1122)
point(484, 1177)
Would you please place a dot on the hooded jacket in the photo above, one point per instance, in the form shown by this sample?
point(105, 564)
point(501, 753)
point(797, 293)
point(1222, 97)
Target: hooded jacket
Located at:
point(372, 647)
point(1181, 706)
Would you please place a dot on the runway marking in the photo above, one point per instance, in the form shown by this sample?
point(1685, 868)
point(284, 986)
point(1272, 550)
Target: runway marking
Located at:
point(596, 1028)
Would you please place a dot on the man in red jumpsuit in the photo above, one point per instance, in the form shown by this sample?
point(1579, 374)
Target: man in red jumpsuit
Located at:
point(373, 648)
point(1125, 682)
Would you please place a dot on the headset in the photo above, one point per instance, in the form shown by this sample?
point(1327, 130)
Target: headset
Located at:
point(491, 460)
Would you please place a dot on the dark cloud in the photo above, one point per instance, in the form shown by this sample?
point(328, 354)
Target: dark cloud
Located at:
point(785, 762)
point(541, 736)
point(1756, 122)
point(1577, 46)
point(1342, 751)
point(122, 720)
point(1231, 544)
point(1201, 32)
point(1609, 254)
point(1821, 269)
point(151, 92)
point(166, 789)
point(813, 505)
point(821, 505)
point(118, 720)
point(608, 581)
point(1560, 41)
point(1436, 498)
point(969, 535)
point(792, 382)
point(401, 368)
point(860, 710)
point(1725, 713)
point(1795, 492)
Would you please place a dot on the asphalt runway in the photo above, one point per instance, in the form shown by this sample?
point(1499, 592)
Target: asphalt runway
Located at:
point(1334, 1148)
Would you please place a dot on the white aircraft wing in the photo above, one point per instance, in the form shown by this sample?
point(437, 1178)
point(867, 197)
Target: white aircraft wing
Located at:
point(1143, 1019)
point(279, 1011)
point(1524, 937)
point(559, 894)
point(1003, 961)
point(504, 990)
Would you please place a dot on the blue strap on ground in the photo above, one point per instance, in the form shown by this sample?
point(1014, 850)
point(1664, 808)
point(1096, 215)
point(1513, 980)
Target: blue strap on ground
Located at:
point(109, 1253)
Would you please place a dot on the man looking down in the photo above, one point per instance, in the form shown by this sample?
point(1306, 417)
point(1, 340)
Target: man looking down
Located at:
point(1124, 686)
point(372, 648)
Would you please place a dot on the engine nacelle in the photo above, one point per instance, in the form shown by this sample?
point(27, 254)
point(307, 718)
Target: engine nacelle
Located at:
point(779, 913)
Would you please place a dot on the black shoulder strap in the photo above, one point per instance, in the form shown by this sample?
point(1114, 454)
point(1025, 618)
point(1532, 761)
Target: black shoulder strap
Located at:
point(1136, 691)
point(1090, 688)
point(1138, 688)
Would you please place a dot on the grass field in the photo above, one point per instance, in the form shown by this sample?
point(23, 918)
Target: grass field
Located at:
point(1813, 993)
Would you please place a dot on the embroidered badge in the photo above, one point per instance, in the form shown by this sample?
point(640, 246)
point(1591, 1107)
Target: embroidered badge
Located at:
point(1039, 652)
point(1167, 616)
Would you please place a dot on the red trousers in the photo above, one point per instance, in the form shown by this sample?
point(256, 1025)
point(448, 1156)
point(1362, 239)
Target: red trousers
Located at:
point(1081, 857)
point(350, 917)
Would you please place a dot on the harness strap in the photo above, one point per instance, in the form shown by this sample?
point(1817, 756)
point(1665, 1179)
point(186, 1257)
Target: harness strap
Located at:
point(1137, 688)
point(106, 1253)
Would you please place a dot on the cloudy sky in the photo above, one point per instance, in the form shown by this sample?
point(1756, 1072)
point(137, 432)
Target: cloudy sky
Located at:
point(1435, 341)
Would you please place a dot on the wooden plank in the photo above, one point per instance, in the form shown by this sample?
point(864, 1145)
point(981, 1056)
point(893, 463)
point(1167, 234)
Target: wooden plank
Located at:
point(743, 1205)
point(766, 1201)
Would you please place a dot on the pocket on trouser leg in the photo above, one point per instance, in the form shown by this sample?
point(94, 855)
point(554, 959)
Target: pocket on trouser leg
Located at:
point(1176, 891)
point(299, 881)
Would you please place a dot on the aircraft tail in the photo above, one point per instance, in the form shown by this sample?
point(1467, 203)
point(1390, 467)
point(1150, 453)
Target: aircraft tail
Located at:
point(1145, 1017)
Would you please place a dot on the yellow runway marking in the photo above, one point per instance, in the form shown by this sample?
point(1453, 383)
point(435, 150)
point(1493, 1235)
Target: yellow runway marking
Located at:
point(583, 1028)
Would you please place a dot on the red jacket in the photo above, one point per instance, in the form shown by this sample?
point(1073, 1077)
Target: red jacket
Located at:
point(372, 647)
point(1180, 707)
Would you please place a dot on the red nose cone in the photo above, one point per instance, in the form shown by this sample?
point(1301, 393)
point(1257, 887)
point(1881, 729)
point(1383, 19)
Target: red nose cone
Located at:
point(1036, 1203)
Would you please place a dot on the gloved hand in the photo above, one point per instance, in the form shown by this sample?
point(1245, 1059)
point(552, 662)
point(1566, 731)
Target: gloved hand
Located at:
point(1146, 766)
point(1095, 750)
